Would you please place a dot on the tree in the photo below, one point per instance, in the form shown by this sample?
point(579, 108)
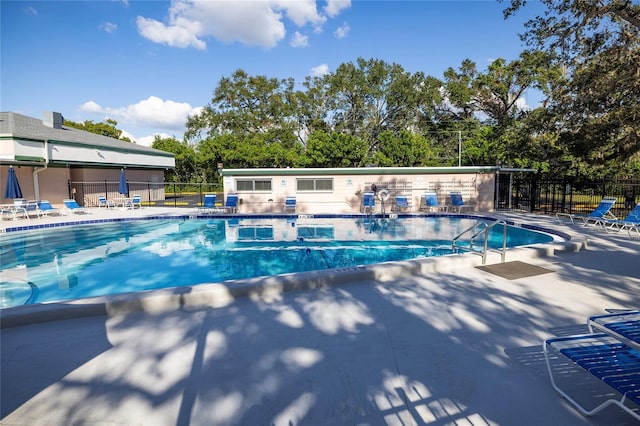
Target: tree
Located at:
point(107, 128)
point(248, 106)
point(334, 150)
point(597, 111)
point(372, 96)
point(185, 170)
point(404, 149)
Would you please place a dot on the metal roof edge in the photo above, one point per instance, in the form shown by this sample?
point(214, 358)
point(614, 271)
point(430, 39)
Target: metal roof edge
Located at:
point(356, 171)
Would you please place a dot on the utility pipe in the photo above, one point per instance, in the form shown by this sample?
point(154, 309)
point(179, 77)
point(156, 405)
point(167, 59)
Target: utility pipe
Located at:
point(37, 170)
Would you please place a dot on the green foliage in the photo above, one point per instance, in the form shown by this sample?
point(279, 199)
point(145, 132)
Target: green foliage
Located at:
point(334, 150)
point(596, 105)
point(404, 149)
point(185, 170)
point(584, 58)
point(107, 128)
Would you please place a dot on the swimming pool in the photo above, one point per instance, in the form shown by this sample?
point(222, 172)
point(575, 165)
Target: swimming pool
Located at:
point(73, 262)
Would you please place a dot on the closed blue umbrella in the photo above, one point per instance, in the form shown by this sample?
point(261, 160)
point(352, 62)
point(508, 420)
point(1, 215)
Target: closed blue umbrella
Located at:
point(12, 189)
point(122, 186)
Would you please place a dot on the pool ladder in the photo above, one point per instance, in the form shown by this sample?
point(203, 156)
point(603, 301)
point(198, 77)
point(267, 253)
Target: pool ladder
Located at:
point(481, 229)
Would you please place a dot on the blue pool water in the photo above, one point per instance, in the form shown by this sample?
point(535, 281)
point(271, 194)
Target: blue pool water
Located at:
point(73, 262)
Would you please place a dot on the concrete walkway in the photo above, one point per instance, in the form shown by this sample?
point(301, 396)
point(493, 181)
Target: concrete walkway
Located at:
point(454, 346)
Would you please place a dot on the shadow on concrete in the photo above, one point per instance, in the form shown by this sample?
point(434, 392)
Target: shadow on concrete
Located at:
point(37, 356)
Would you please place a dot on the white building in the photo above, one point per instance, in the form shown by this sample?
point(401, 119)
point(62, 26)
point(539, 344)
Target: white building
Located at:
point(48, 156)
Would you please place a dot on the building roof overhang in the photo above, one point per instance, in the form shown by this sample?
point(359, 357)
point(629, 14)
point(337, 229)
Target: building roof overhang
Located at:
point(369, 171)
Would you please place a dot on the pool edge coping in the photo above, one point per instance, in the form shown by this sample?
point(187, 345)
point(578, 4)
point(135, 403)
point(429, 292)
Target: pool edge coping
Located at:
point(220, 294)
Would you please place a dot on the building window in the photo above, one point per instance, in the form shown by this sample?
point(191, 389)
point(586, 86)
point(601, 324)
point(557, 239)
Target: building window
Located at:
point(314, 185)
point(253, 185)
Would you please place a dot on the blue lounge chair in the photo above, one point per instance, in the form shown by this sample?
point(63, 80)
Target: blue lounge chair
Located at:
point(45, 208)
point(604, 356)
point(602, 211)
point(72, 206)
point(629, 223)
point(208, 204)
point(429, 202)
point(136, 200)
point(31, 208)
point(290, 204)
point(368, 202)
point(623, 325)
point(231, 203)
point(103, 202)
point(457, 203)
point(401, 203)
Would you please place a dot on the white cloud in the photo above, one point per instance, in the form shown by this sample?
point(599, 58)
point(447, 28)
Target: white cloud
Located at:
point(154, 112)
point(299, 40)
point(342, 31)
point(109, 27)
point(29, 10)
point(91, 106)
point(253, 23)
point(521, 104)
point(170, 35)
point(301, 12)
point(145, 116)
point(334, 7)
point(148, 140)
point(320, 70)
point(126, 134)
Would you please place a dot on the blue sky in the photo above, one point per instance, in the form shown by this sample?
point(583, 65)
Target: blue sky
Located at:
point(148, 64)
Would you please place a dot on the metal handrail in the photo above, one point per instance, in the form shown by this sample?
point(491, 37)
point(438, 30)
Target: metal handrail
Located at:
point(484, 231)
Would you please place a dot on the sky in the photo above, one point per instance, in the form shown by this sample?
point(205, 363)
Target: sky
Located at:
point(150, 64)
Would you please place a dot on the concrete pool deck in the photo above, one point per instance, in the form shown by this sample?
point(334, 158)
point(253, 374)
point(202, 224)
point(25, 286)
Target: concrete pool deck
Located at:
point(444, 344)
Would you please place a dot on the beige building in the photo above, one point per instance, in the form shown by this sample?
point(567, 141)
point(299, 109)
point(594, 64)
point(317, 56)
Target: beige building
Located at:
point(340, 190)
point(49, 158)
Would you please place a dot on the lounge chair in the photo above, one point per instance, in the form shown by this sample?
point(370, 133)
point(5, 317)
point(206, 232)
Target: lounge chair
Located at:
point(368, 202)
point(19, 208)
point(290, 204)
point(31, 208)
point(629, 223)
point(136, 200)
point(208, 204)
point(602, 211)
point(429, 202)
point(72, 206)
point(45, 208)
point(604, 356)
point(231, 203)
point(103, 202)
point(401, 203)
point(458, 204)
point(624, 325)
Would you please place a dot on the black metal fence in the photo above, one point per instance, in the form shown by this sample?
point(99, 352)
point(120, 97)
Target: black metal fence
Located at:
point(550, 195)
point(533, 193)
point(151, 193)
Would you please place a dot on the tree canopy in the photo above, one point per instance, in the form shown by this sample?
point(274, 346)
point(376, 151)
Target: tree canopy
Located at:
point(583, 57)
point(107, 128)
